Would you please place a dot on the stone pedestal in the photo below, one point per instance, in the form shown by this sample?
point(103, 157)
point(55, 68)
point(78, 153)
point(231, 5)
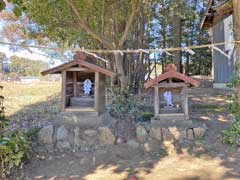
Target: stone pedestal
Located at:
point(169, 122)
point(83, 119)
point(77, 132)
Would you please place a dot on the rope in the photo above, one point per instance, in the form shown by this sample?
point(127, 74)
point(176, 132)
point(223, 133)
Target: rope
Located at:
point(121, 51)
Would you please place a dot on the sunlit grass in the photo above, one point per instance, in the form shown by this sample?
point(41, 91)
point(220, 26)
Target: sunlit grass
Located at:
point(31, 102)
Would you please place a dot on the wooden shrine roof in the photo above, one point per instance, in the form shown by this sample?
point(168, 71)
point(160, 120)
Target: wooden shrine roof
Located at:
point(79, 61)
point(216, 12)
point(171, 74)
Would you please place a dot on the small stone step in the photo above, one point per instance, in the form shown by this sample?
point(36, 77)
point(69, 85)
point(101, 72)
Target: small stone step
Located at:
point(79, 112)
point(169, 110)
point(83, 119)
point(169, 123)
point(171, 116)
point(85, 101)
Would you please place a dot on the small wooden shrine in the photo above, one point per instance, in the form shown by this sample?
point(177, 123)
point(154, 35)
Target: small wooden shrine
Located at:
point(170, 94)
point(83, 84)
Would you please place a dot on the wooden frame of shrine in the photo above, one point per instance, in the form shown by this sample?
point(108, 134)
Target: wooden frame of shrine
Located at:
point(82, 69)
point(173, 87)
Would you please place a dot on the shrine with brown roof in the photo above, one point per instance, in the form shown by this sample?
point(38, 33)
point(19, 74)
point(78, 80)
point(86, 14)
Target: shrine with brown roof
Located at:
point(83, 83)
point(170, 94)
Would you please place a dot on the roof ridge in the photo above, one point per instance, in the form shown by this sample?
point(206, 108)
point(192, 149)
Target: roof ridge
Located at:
point(80, 62)
point(171, 74)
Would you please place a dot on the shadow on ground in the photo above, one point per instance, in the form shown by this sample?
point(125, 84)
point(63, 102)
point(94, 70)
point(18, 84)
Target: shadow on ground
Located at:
point(202, 159)
point(36, 115)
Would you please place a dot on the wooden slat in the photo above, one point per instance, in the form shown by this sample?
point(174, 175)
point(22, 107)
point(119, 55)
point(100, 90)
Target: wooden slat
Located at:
point(156, 101)
point(171, 85)
point(96, 68)
point(202, 23)
point(96, 91)
point(63, 90)
point(185, 102)
point(76, 109)
point(75, 83)
point(78, 69)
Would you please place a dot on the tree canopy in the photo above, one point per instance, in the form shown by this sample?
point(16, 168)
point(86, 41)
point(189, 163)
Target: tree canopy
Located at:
point(26, 67)
point(124, 24)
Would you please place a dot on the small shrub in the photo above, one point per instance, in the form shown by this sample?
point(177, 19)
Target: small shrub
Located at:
point(232, 134)
point(12, 151)
point(234, 106)
point(13, 146)
point(145, 117)
point(32, 133)
point(124, 105)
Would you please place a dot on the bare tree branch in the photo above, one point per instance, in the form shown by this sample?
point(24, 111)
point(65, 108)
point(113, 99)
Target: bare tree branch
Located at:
point(129, 23)
point(106, 41)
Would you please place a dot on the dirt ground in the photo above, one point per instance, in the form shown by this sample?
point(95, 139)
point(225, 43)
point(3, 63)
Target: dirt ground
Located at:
point(203, 159)
point(122, 163)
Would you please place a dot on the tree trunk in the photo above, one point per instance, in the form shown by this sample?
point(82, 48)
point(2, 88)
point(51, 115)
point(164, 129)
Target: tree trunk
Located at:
point(236, 18)
point(177, 41)
point(111, 42)
point(119, 66)
point(164, 56)
point(187, 64)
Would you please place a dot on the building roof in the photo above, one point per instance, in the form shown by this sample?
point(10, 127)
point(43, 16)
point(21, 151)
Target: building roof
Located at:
point(171, 74)
point(216, 11)
point(80, 60)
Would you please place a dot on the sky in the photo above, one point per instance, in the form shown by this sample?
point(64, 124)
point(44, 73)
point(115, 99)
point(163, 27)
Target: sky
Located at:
point(31, 53)
point(36, 54)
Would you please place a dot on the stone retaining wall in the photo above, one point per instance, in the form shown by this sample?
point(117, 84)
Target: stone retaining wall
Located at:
point(147, 136)
point(75, 138)
point(172, 133)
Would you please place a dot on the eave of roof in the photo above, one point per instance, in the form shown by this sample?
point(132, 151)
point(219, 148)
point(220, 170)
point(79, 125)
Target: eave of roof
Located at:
point(205, 14)
point(60, 68)
point(171, 74)
point(220, 4)
point(215, 8)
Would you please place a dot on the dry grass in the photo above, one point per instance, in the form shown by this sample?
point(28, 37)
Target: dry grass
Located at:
point(31, 104)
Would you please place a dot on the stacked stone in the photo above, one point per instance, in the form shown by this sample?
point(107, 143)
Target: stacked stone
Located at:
point(148, 137)
point(171, 133)
point(67, 137)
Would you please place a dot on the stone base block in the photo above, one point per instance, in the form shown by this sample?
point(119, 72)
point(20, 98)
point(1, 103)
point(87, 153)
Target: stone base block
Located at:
point(171, 116)
point(83, 119)
point(168, 123)
point(82, 102)
point(170, 131)
point(69, 137)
